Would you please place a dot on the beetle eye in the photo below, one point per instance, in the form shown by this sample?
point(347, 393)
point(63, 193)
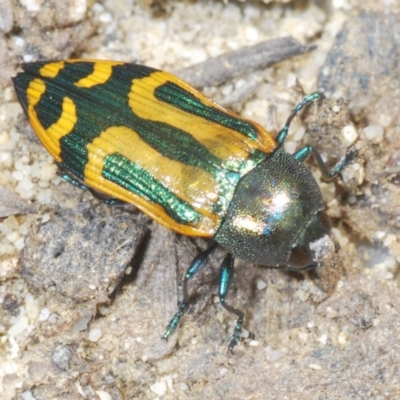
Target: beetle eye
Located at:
point(325, 220)
point(299, 258)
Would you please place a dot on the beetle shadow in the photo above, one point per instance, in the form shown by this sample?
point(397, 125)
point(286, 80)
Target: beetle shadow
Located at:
point(135, 265)
point(254, 297)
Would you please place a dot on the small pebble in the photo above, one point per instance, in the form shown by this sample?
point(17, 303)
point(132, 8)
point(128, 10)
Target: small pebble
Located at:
point(81, 324)
point(27, 395)
point(95, 334)
point(343, 338)
point(273, 354)
point(349, 135)
point(374, 133)
point(103, 395)
point(61, 357)
point(44, 314)
point(159, 388)
point(53, 318)
point(261, 285)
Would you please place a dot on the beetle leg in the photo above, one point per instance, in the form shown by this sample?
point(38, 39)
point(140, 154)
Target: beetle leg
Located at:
point(281, 137)
point(66, 176)
point(303, 153)
point(197, 265)
point(225, 279)
point(112, 201)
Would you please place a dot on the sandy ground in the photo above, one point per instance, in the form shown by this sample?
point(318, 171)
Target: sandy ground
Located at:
point(86, 290)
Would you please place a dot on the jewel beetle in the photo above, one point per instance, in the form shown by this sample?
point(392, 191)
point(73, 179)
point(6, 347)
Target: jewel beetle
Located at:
point(143, 136)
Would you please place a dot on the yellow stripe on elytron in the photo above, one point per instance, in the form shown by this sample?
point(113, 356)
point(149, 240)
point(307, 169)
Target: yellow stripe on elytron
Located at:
point(62, 127)
point(51, 70)
point(191, 184)
point(102, 71)
point(210, 134)
point(93, 178)
point(34, 93)
point(50, 137)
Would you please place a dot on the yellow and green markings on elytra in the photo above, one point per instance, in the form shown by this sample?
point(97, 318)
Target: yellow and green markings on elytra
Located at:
point(142, 136)
point(145, 137)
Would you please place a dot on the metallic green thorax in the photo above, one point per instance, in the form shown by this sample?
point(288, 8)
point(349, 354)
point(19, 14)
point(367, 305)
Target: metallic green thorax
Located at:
point(270, 210)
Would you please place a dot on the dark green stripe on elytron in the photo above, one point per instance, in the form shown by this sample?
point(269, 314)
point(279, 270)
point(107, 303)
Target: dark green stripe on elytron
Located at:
point(180, 98)
point(120, 170)
point(21, 83)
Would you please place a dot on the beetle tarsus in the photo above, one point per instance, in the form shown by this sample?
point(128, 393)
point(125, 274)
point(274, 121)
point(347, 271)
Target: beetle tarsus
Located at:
point(281, 137)
point(225, 280)
point(347, 159)
point(175, 321)
point(235, 338)
point(327, 175)
point(197, 265)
